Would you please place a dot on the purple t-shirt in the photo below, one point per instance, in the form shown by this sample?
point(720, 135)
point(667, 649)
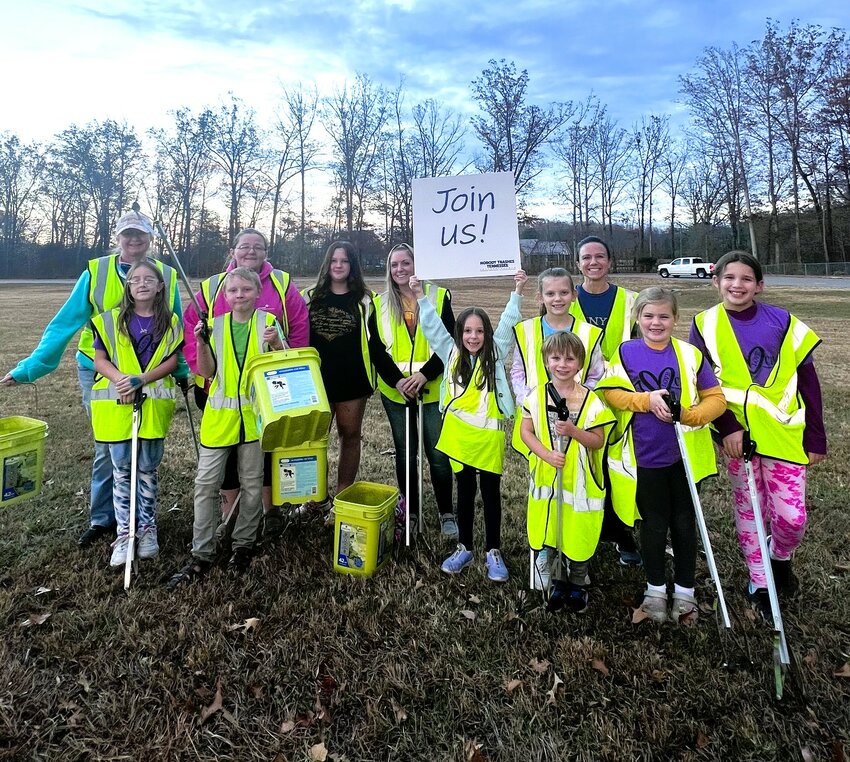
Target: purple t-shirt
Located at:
point(650, 369)
point(141, 337)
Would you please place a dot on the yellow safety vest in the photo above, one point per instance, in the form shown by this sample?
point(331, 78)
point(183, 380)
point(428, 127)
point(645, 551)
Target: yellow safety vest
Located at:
point(529, 341)
point(583, 485)
point(106, 289)
point(774, 414)
point(622, 464)
point(113, 422)
point(228, 417)
point(210, 288)
point(620, 323)
point(366, 307)
point(472, 433)
point(409, 355)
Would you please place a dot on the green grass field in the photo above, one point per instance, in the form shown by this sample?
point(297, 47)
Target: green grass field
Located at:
point(410, 664)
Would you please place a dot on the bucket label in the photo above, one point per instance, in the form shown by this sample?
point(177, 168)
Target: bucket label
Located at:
point(290, 388)
point(299, 476)
point(20, 474)
point(352, 546)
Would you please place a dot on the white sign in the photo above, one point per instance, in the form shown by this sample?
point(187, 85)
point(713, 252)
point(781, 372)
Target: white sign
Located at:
point(465, 226)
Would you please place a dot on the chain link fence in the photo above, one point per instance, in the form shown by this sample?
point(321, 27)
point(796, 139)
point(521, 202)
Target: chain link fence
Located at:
point(808, 268)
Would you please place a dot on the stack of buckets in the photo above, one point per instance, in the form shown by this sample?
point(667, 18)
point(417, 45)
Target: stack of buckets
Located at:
point(21, 458)
point(293, 420)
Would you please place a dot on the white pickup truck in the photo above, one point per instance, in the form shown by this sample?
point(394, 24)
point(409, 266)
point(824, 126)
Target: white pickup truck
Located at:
point(687, 266)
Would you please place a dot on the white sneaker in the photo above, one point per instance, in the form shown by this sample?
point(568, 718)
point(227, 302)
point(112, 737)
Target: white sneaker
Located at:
point(448, 525)
point(119, 551)
point(542, 574)
point(147, 543)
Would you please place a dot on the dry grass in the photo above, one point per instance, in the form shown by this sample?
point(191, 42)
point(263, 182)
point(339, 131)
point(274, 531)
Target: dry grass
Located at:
point(390, 668)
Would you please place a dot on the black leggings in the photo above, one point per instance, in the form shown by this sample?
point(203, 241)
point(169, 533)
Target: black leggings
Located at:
point(664, 502)
point(491, 496)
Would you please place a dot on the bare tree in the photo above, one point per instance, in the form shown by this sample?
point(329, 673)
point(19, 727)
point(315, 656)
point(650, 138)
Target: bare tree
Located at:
point(611, 151)
point(235, 145)
point(297, 152)
point(21, 169)
point(438, 138)
point(715, 95)
point(674, 164)
point(650, 141)
point(514, 133)
point(355, 118)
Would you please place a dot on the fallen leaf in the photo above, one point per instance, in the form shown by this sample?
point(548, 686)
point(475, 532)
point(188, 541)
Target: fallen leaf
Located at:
point(658, 676)
point(209, 711)
point(86, 685)
point(249, 624)
point(35, 619)
point(399, 711)
point(287, 726)
point(599, 665)
point(318, 753)
point(43, 590)
point(473, 751)
point(552, 695)
point(539, 666)
point(512, 685)
point(806, 754)
point(844, 671)
point(702, 740)
point(305, 719)
point(810, 659)
point(837, 751)
point(750, 615)
point(257, 692)
point(638, 615)
point(474, 599)
point(470, 615)
point(419, 583)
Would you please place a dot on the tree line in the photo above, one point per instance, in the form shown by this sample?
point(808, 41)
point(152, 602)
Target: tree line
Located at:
point(763, 164)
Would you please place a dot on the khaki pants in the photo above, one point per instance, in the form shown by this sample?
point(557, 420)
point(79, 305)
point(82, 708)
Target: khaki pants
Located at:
point(211, 465)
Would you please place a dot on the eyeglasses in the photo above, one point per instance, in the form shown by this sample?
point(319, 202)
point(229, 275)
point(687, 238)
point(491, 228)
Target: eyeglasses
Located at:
point(249, 247)
point(138, 281)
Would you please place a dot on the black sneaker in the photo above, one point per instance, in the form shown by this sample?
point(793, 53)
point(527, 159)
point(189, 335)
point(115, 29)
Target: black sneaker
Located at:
point(557, 596)
point(784, 577)
point(240, 560)
point(576, 599)
point(628, 556)
point(760, 603)
point(93, 534)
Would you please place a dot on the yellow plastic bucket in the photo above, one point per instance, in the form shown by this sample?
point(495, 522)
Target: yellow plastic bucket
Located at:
point(300, 474)
point(21, 458)
point(364, 527)
point(288, 397)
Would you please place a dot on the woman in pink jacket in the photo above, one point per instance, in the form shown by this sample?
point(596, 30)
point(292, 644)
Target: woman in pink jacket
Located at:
point(279, 296)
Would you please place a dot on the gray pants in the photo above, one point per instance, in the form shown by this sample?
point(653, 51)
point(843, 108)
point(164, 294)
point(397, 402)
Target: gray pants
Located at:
point(211, 465)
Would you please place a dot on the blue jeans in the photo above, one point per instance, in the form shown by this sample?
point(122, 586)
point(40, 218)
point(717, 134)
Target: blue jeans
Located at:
point(101, 512)
point(148, 457)
point(441, 470)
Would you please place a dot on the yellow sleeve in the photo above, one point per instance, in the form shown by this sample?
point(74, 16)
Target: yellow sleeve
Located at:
point(620, 399)
point(711, 405)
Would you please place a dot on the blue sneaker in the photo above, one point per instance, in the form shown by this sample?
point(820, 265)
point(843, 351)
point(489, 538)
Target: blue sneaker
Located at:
point(496, 569)
point(458, 560)
point(629, 557)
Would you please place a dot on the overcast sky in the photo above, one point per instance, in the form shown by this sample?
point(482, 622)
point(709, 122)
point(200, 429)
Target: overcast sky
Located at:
point(73, 61)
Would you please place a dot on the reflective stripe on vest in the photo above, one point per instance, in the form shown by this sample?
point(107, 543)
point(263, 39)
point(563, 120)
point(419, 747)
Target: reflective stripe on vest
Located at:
point(228, 417)
point(774, 413)
point(106, 289)
point(409, 356)
point(112, 422)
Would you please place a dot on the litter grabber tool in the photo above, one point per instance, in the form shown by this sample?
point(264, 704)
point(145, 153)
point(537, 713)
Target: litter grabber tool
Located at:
point(561, 443)
point(781, 654)
point(184, 387)
point(138, 401)
point(420, 463)
point(675, 406)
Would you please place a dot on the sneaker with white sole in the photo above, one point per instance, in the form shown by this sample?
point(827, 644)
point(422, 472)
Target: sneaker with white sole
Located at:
point(654, 605)
point(147, 543)
point(496, 569)
point(458, 560)
point(448, 525)
point(119, 551)
point(684, 609)
point(542, 572)
point(629, 557)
